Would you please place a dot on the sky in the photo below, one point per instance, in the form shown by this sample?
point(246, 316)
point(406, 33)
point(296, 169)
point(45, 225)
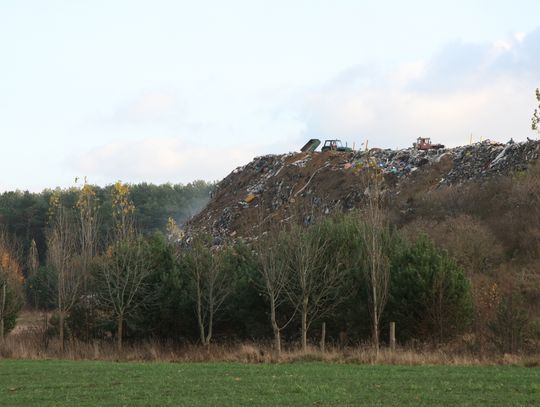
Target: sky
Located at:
point(174, 91)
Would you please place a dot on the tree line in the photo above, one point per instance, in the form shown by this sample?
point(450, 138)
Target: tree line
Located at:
point(353, 271)
point(25, 215)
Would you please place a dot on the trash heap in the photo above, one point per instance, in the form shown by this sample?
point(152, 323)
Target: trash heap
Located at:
point(274, 189)
point(488, 159)
point(470, 162)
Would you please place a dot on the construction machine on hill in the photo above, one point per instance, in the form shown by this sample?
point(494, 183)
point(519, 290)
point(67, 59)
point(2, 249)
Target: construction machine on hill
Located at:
point(311, 145)
point(424, 143)
point(334, 145)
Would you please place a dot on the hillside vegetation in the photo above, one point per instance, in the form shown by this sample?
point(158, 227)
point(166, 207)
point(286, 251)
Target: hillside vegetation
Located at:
point(25, 215)
point(292, 250)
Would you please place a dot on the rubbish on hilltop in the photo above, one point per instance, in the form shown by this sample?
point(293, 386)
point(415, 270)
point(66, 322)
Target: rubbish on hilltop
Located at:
point(274, 189)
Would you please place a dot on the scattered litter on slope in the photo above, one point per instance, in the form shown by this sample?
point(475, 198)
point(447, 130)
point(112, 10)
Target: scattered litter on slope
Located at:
point(281, 188)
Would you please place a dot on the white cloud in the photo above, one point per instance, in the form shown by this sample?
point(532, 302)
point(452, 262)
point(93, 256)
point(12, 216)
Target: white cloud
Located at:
point(520, 36)
point(483, 89)
point(152, 105)
point(161, 160)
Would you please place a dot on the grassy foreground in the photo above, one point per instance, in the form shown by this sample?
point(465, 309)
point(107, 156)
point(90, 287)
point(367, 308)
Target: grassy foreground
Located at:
point(69, 383)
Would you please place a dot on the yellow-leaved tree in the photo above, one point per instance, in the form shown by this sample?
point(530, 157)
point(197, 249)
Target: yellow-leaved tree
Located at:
point(536, 114)
point(125, 269)
point(11, 280)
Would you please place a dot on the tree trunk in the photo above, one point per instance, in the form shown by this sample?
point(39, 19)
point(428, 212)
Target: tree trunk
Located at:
point(376, 334)
point(61, 329)
point(275, 328)
point(201, 332)
point(199, 315)
point(2, 310)
point(375, 300)
point(45, 337)
point(440, 319)
point(210, 325)
point(323, 337)
point(120, 331)
point(304, 324)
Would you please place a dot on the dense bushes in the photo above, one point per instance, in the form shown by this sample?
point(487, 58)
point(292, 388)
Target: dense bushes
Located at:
point(492, 229)
point(12, 304)
point(511, 327)
point(430, 295)
point(199, 292)
point(40, 288)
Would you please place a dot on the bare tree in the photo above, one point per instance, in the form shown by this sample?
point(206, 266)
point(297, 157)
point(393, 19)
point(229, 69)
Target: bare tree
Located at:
point(33, 259)
point(536, 115)
point(314, 283)
point(32, 265)
point(124, 273)
point(274, 271)
point(210, 283)
point(88, 221)
point(125, 269)
point(61, 242)
point(376, 267)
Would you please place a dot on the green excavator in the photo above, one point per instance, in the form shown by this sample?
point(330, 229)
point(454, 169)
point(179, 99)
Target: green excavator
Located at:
point(335, 145)
point(329, 145)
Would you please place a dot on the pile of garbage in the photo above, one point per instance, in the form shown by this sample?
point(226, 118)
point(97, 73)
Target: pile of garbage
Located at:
point(488, 159)
point(470, 162)
point(273, 189)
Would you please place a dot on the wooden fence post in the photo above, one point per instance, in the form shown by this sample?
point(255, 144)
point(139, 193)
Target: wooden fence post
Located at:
point(323, 336)
point(393, 336)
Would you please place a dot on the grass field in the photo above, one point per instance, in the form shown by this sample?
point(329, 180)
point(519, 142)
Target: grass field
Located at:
point(69, 383)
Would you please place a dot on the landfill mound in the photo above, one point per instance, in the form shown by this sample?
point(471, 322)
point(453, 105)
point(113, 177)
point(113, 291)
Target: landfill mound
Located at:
point(274, 189)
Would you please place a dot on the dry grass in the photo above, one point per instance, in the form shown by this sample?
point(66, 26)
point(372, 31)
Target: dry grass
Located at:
point(32, 344)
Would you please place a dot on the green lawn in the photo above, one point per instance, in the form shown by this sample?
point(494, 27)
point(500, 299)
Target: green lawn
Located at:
point(65, 383)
